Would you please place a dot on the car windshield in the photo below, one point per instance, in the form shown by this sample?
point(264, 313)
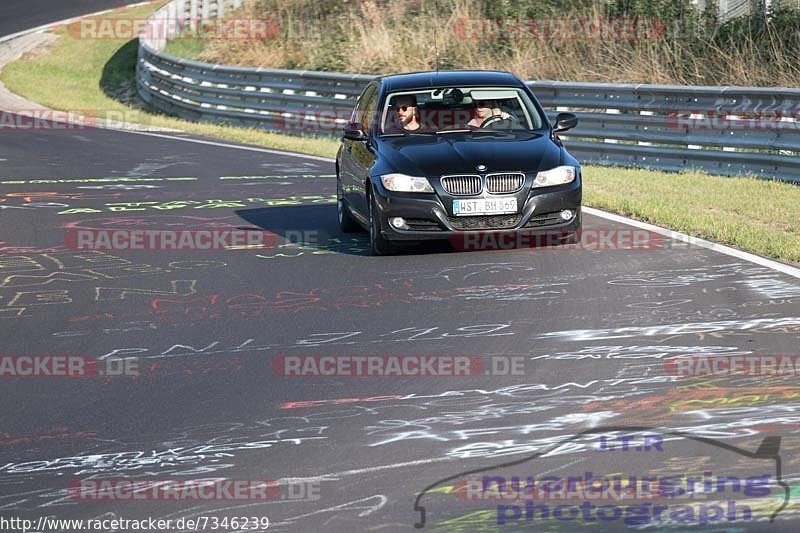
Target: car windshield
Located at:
point(452, 109)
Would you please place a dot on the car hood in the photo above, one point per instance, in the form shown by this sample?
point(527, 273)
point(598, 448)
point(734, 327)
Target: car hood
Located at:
point(461, 153)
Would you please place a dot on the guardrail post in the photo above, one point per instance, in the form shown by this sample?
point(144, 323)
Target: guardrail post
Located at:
point(180, 20)
point(172, 19)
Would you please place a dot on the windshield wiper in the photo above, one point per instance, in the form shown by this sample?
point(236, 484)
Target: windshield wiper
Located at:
point(404, 134)
point(453, 131)
point(481, 130)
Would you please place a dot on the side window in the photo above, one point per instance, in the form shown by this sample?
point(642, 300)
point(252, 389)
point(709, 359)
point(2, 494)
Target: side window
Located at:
point(369, 116)
point(361, 113)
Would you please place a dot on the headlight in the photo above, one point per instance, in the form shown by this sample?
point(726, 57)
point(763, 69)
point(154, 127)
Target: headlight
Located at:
point(403, 183)
point(554, 176)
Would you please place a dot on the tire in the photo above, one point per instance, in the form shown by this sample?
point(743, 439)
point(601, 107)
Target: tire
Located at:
point(347, 223)
point(379, 244)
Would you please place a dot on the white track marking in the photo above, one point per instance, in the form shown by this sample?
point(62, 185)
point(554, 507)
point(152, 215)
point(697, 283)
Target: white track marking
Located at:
point(227, 145)
point(359, 471)
point(696, 241)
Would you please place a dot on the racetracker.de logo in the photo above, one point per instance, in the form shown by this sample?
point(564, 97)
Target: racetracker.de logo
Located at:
point(168, 240)
point(377, 365)
point(187, 489)
point(237, 29)
point(563, 29)
point(733, 365)
point(79, 119)
point(756, 119)
point(587, 487)
point(334, 120)
point(69, 366)
point(586, 240)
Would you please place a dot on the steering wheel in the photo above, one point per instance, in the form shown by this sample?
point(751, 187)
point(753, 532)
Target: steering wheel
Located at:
point(496, 120)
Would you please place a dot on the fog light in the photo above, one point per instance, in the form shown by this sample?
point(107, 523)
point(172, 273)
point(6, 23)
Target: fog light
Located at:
point(566, 214)
point(398, 223)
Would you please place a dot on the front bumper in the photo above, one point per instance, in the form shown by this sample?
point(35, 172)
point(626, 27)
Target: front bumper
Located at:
point(428, 218)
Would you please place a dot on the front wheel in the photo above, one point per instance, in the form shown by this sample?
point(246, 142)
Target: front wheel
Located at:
point(380, 245)
point(347, 223)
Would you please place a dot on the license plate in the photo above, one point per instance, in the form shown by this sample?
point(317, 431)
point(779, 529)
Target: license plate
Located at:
point(485, 206)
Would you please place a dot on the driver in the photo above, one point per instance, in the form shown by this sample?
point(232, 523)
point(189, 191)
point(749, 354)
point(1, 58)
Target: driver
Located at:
point(407, 112)
point(485, 110)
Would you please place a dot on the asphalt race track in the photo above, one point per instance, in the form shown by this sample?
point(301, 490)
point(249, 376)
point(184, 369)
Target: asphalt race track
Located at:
point(572, 371)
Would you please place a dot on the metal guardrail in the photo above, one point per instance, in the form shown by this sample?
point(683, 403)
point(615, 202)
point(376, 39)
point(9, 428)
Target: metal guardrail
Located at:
point(666, 127)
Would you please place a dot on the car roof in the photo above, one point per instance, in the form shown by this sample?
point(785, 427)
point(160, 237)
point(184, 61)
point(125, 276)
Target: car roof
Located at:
point(448, 78)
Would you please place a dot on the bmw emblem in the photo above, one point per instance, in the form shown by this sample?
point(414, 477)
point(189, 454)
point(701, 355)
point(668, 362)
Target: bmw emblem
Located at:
point(480, 168)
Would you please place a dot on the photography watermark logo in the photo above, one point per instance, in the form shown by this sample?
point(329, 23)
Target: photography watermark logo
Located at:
point(128, 490)
point(630, 443)
point(587, 240)
point(740, 488)
point(399, 366)
point(53, 120)
point(704, 365)
point(637, 514)
point(559, 29)
point(121, 28)
point(120, 239)
point(70, 366)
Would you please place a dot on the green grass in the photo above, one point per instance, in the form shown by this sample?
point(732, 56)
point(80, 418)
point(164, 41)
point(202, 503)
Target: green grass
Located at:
point(751, 214)
point(760, 216)
point(187, 48)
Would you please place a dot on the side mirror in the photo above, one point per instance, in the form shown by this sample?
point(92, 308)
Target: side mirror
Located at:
point(354, 132)
point(564, 122)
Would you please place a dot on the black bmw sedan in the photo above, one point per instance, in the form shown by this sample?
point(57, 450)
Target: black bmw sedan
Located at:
point(454, 155)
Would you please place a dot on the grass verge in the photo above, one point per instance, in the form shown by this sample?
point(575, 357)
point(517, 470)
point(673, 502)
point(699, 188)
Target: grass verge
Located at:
point(755, 215)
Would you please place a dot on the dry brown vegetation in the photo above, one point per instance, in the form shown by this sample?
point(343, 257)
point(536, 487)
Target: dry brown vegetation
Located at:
point(382, 36)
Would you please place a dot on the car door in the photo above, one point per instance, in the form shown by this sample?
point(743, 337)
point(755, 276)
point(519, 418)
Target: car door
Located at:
point(363, 152)
point(351, 168)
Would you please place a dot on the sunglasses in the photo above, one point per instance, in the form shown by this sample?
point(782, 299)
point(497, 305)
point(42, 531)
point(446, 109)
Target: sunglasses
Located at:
point(404, 107)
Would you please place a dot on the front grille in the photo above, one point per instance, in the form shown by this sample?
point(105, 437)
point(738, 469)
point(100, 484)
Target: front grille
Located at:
point(504, 183)
point(545, 219)
point(485, 222)
point(422, 224)
point(462, 185)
